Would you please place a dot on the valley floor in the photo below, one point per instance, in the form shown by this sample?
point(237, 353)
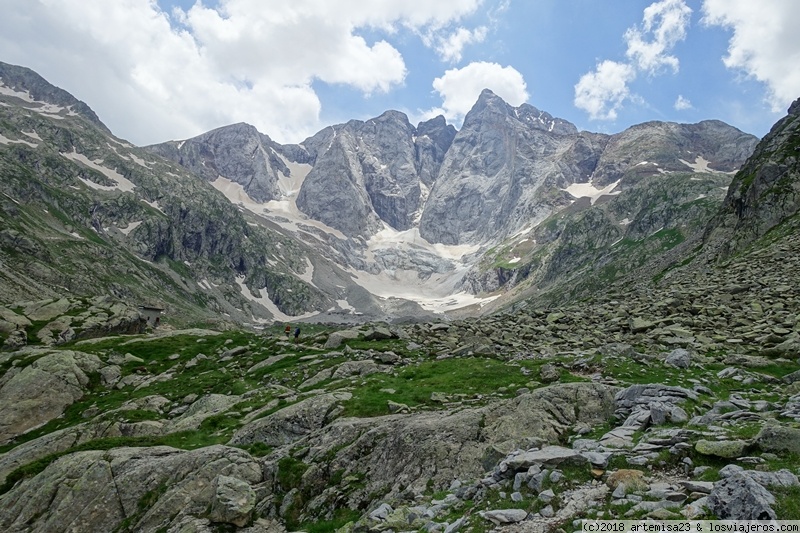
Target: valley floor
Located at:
point(680, 400)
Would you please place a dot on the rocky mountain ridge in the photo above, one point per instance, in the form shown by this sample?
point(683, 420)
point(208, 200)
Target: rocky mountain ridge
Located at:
point(396, 209)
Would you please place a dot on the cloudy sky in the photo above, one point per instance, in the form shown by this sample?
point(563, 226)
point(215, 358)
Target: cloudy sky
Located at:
point(156, 70)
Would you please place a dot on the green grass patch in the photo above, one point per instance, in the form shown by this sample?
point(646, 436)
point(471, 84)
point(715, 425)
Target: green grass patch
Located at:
point(290, 472)
point(471, 377)
point(341, 517)
point(787, 505)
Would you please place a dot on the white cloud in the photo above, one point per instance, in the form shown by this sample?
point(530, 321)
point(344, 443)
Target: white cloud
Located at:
point(765, 44)
point(603, 92)
point(663, 25)
point(682, 104)
point(460, 88)
point(183, 73)
point(451, 47)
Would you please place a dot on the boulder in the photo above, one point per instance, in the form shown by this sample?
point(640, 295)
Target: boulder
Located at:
point(739, 497)
point(336, 338)
point(549, 456)
point(356, 368)
point(778, 439)
point(43, 390)
point(727, 449)
point(505, 516)
point(379, 334)
point(233, 501)
point(98, 490)
point(679, 358)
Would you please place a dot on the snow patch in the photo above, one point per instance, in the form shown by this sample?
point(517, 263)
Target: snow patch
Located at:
point(32, 135)
point(288, 215)
point(699, 165)
point(308, 275)
point(132, 226)
point(122, 183)
point(389, 237)
point(624, 222)
point(584, 190)
point(514, 260)
point(139, 161)
point(6, 140)
point(264, 301)
point(153, 204)
point(344, 305)
point(8, 91)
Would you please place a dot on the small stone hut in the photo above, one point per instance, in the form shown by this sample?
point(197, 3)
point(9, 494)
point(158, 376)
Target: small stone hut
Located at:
point(152, 314)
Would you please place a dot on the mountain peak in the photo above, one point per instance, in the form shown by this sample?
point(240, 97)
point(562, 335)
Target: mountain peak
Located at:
point(24, 80)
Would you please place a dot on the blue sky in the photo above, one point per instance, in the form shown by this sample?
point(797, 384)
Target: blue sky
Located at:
point(170, 69)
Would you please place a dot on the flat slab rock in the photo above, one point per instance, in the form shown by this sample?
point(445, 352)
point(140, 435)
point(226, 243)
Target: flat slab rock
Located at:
point(547, 456)
point(505, 516)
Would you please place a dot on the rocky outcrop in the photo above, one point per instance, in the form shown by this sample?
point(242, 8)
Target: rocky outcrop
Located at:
point(764, 193)
point(398, 453)
point(292, 423)
point(147, 488)
point(42, 391)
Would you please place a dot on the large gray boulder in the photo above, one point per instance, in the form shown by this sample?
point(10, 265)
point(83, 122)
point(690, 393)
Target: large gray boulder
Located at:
point(740, 497)
point(775, 438)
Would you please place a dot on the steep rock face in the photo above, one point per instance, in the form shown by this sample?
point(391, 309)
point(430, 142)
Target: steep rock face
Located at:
point(434, 138)
point(508, 167)
point(367, 172)
point(494, 169)
point(586, 247)
point(334, 192)
point(764, 193)
point(237, 152)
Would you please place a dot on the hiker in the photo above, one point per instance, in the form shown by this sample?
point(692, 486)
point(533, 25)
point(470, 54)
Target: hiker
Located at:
point(288, 330)
point(296, 334)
